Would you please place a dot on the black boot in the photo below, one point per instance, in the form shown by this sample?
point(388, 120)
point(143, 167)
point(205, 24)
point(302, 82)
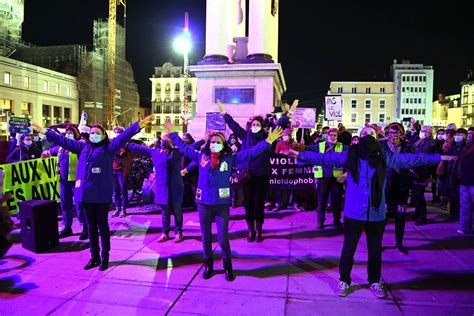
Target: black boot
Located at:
point(84, 234)
point(259, 232)
point(208, 269)
point(251, 233)
point(229, 272)
point(66, 232)
point(94, 262)
point(104, 263)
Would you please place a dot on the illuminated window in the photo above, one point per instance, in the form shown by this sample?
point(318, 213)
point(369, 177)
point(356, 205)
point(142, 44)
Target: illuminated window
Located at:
point(25, 108)
point(176, 121)
point(7, 78)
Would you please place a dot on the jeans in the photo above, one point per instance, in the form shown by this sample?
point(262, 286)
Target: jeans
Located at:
point(255, 192)
point(98, 224)
point(221, 214)
point(352, 232)
point(443, 188)
point(466, 218)
point(326, 185)
point(121, 192)
point(166, 210)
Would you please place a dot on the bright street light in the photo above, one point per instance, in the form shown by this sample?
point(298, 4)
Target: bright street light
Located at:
point(182, 43)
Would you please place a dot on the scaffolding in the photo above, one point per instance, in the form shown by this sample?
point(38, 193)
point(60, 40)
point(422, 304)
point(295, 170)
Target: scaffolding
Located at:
point(11, 19)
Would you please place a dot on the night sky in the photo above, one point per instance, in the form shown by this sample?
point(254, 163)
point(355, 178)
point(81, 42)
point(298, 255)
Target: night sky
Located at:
point(319, 42)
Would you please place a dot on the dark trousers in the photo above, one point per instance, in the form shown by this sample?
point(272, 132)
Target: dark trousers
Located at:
point(121, 192)
point(418, 196)
point(352, 232)
point(221, 214)
point(255, 192)
point(98, 224)
point(326, 185)
point(399, 212)
point(166, 210)
point(454, 199)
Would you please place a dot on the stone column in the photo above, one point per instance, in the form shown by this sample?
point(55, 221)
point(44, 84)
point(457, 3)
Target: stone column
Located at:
point(263, 31)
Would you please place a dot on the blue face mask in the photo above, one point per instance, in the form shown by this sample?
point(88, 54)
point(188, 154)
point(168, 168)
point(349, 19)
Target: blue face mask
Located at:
point(70, 136)
point(95, 138)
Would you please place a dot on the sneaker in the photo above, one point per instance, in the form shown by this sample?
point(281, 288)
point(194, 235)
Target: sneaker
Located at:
point(276, 208)
point(124, 213)
point(163, 238)
point(116, 213)
point(299, 208)
point(66, 232)
point(378, 289)
point(401, 249)
point(343, 289)
point(178, 238)
point(320, 225)
point(462, 232)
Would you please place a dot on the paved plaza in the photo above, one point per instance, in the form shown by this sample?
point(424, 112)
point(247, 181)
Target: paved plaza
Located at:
point(294, 271)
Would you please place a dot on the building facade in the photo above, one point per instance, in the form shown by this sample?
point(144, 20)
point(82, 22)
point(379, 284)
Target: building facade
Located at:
point(447, 109)
point(364, 102)
point(413, 90)
point(167, 96)
point(46, 96)
point(467, 102)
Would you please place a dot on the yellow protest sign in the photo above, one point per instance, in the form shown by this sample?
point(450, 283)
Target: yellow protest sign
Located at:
point(34, 179)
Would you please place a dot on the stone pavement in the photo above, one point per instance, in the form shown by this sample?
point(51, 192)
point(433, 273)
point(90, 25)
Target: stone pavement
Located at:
point(294, 271)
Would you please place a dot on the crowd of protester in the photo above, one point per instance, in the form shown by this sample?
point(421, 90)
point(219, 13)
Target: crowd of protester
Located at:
point(383, 171)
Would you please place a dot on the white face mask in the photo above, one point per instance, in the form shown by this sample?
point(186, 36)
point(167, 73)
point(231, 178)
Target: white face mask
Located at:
point(256, 129)
point(70, 136)
point(28, 143)
point(216, 147)
point(422, 135)
point(458, 138)
point(95, 138)
point(285, 138)
point(441, 137)
point(36, 138)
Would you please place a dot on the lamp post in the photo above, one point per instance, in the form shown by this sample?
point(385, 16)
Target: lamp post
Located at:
point(183, 46)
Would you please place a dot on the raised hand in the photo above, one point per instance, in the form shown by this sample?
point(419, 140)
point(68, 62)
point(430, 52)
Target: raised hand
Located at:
point(294, 106)
point(221, 107)
point(274, 134)
point(147, 120)
point(293, 153)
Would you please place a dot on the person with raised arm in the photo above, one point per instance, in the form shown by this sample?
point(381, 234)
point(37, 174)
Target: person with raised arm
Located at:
point(94, 181)
point(215, 162)
point(364, 209)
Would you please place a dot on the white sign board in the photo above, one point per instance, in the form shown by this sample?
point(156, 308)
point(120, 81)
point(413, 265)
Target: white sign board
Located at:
point(304, 118)
point(334, 108)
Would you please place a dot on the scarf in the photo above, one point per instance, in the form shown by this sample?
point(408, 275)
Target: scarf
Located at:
point(215, 160)
point(368, 149)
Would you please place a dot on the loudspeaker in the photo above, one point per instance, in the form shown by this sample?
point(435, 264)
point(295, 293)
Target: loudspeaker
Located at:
point(39, 225)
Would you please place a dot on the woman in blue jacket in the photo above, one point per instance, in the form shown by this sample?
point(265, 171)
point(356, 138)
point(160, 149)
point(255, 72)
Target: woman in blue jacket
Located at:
point(213, 191)
point(168, 185)
point(94, 181)
point(365, 200)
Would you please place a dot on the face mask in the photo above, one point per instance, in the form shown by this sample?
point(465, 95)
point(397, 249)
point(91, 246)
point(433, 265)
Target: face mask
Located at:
point(28, 143)
point(324, 136)
point(36, 138)
point(216, 148)
point(70, 136)
point(95, 138)
point(441, 137)
point(458, 138)
point(413, 131)
point(256, 129)
point(422, 135)
point(285, 138)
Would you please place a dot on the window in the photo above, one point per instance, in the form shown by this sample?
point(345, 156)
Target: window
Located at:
point(465, 89)
point(67, 115)
point(26, 82)
point(423, 111)
point(368, 117)
point(167, 109)
point(403, 89)
point(56, 88)
point(176, 87)
point(354, 90)
point(382, 90)
point(464, 110)
point(45, 86)
point(158, 109)
point(176, 109)
point(46, 115)
point(176, 121)
point(7, 78)
point(57, 115)
point(381, 117)
point(353, 117)
point(339, 90)
point(68, 91)
point(382, 104)
point(367, 90)
point(158, 121)
point(25, 108)
point(354, 104)
point(368, 104)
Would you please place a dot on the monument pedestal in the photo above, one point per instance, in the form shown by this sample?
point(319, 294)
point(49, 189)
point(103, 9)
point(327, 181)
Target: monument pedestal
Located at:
point(245, 90)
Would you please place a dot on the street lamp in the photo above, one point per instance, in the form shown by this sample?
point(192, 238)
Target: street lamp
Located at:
point(182, 45)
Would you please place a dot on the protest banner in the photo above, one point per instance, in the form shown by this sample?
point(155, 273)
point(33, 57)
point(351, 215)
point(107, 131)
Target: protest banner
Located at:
point(333, 108)
point(287, 174)
point(215, 121)
point(304, 118)
point(19, 125)
point(34, 179)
